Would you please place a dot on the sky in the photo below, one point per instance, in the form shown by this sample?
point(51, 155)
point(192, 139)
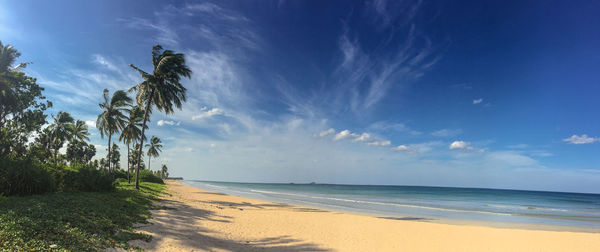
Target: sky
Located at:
point(494, 94)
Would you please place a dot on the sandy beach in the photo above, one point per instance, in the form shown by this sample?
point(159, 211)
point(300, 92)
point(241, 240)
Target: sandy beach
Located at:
point(190, 219)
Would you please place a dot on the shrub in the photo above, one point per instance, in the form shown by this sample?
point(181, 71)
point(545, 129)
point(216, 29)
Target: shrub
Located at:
point(120, 180)
point(148, 176)
point(24, 176)
point(120, 174)
point(86, 178)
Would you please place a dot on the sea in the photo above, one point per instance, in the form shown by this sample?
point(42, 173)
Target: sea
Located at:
point(428, 203)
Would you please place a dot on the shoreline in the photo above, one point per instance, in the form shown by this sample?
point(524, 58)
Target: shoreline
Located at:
point(400, 217)
point(190, 218)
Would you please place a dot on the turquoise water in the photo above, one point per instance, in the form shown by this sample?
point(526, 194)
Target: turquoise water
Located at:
point(528, 207)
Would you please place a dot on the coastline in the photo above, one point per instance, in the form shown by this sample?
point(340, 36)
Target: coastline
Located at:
point(195, 219)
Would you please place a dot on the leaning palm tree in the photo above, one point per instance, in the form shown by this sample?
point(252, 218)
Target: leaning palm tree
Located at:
point(154, 148)
point(161, 88)
point(132, 132)
point(61, 131)
point(112, 119)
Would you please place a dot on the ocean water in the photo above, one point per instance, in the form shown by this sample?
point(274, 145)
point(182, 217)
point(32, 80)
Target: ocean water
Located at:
point(513, 206)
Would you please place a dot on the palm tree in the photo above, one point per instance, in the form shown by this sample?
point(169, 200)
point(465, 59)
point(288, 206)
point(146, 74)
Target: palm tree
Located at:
point(132, 131)
point(154, 147)
point(164, 171)
point(161, 88)
point(61, 131)
point(80, 132)
point(112, 119)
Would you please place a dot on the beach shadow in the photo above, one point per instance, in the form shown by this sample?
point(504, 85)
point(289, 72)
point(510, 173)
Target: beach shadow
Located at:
point(213, 193)
point(176, 222)
point(244, 204)
point(406, 218)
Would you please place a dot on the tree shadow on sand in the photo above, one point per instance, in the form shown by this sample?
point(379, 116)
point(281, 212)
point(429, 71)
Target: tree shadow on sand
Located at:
point(180, 222)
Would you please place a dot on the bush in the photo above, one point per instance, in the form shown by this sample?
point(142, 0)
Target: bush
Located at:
point(148, 176)
point(120, 174)
point(120, 181)
point(24, 177)
point(86, 178)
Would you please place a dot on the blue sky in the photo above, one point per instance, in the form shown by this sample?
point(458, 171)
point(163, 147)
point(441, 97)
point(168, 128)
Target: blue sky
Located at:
point(448, 93)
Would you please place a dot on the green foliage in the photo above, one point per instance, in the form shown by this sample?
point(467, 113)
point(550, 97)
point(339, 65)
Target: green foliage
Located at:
point(24, 177)
point(162, 87)
point(76, 221)
point(79, 152)
point(22, 104)
point(86, 178)
point(120, 174)
point(149, 176)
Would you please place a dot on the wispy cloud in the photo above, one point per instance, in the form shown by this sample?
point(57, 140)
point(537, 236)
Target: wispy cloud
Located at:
point(343, 135)
point(326, 132)
point(477, 101)
point(379, 143)
point(583, 139)
point(446, 132)
point(462, 145)
point(208, 113)
point(401, 148)
point(363, 137)
point(167, 122)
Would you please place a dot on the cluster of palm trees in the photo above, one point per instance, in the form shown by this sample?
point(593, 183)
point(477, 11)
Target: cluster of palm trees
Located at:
point(160, 89)
point(63, 129)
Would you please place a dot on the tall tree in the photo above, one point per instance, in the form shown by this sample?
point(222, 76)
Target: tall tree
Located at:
point(164, 171)
point(80, 132)
point(132, 132)
point(161, 88)
point(115, 156)
point(61, 131)
point(113, 118)
point(154, 148)
point(21, 104)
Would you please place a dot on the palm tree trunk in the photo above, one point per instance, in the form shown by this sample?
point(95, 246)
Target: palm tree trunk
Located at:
point(149, 163)
point(108, 155)
point(128, 177)
point(139, 158)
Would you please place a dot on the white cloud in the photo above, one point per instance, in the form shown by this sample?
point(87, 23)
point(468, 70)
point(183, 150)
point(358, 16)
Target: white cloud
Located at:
point(380, 143)
point(462, 145)
point(401, 148)
point(163, 122)
point(458, 145)
point(327, 132)
point(90, 123)
point(583, 139)
point(99, 59)
point(342, 135)
point(477, 101)
point(446, 132)
point(208, 114)
point(363, 137)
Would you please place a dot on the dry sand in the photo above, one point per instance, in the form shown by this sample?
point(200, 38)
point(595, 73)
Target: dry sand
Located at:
point(191, 219)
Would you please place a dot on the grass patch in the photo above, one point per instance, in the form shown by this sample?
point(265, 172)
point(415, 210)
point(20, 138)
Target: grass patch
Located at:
point(76, 221)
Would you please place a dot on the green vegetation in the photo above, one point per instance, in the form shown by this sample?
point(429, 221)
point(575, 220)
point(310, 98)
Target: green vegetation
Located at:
point(161, 88)
point(69, 199)
point(76, 221)
point(148, 176)
point(154, 148)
